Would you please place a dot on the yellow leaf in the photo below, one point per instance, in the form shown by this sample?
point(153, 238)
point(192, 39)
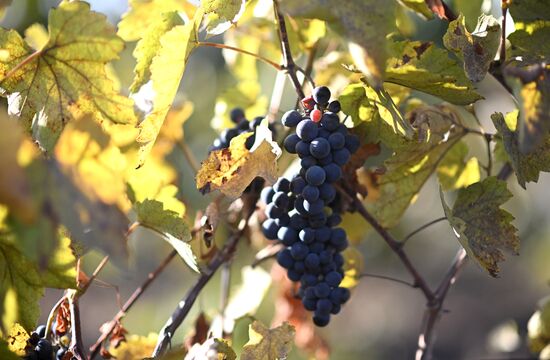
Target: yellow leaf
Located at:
point(135, 347)
point(67, 76)
point(268, 344)
point(17, 339)
point(353, 266)
point(232, 170)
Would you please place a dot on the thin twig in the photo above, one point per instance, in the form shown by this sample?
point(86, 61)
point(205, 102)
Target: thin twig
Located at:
point(269, 252)
point(184, 306)
point(502, 56)
point(426, 338)
point(288, 62)
point(94, 349)
point(489, 167)
point(395, 245)
point(384, 277)
point(17, 67)
point(96, 272)
point(188, 154)
point(227, 47)
point(414, 232)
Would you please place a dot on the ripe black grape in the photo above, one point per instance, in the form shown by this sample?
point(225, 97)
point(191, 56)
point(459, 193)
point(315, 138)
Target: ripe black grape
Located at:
point(303, 210)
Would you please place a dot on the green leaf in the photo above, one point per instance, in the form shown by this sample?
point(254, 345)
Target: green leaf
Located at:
point(526, 166)
point(529, 10)
point(170, 225)
point(267, 344)
point(20, 289)
point(142, 14)
point(364, 24)
point(418, 6)
point(477, 49)
point(65, 78)
point(222, 14)
point(454, 172)
point(148, 47)
point(481, 226)
point(532, 29)
point(167, 69)
point(424, 67)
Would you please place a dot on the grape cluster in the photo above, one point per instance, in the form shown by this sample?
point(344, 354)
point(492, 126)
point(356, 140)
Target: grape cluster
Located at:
point(40, 348)
point(304, 213)
point(242, 125)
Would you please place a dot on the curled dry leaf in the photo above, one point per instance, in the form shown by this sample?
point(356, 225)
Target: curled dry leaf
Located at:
point(199, 333)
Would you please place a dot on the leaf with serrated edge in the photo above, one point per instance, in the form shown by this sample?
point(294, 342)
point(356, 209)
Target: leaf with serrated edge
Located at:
point(424, 67)
point(526, 166)
point(142, 14)
point(481, 226)
point(170, 225)
point(454, 172)
point(167, 69)
point(17, 339)
point(67, 77)
point(267, 344)
point(477, 49)
point(231, 170)
point(364, 24)
point(222, 14)
point(418, 6)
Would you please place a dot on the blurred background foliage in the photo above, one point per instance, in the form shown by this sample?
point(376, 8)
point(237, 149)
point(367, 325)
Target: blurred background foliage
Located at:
point(485, 317)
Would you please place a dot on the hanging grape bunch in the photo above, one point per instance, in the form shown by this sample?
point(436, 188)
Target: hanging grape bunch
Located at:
point(303, 213)
point(40, 348)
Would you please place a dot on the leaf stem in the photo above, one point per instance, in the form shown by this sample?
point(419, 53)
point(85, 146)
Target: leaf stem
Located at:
point(419, 229)
point(188, 154)
point(17, 67)
point(242, 51)
point(384, 277)
point(94, 349)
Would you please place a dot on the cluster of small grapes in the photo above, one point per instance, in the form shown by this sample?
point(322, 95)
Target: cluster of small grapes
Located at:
point(242, 125)
point(303, 213)
point(40, 348)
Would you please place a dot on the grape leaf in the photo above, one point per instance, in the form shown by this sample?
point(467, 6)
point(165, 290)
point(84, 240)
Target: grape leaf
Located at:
point(267, 344)
point(364, 24)
point(477, 49)
point(481, 226)
point(245, 300)
point(232, 170)
point(148, 47)
point(170, 225)
point(67, 77)
point(167, 69)
point(454, 172)
point(17, 339)
point(354, 263)
point(418, 6)
point(424, 67)
point(142, 14)
point(526, 166)
point(219, 348)
point(135, 347)
point(529, 10)
point(532, 29)
point(5, 353)
point(222, 14)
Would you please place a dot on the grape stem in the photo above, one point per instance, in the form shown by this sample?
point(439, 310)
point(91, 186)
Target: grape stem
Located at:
point(288, 62)
point(184, 306)
point(188, 154)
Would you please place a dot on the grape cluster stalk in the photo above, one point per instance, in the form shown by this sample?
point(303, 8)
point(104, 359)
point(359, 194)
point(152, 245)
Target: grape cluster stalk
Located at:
point(303, 212)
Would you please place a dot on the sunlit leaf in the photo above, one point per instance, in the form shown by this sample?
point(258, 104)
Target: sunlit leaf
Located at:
point(455, 172)
point(526, 166)
point(477, 49)
point(148, 47)
point(532, 29)
point(211, 349)
point(65, 78)
point(222, 14)
point(353, 266)
point(267, 344)
point(17, 339)
point(418, 6)
point(167, 69)
point(424, 67)
point(36, 36)
point(363, 24)
point(232, 170)
point(135, 347)
point(142, 14)
point(481, 226)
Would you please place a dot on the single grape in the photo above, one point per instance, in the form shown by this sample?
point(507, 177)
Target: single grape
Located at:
point(299, 251)
point(335, 308)
point(341, 156)
point(317, 247)
point(312, 261)
point(330, 121)
point(318, 220)
point(314, 207)
point(41, 330)
point(334, 106)
point(307, 235)
point(302, 148)
point(282, 184)
point(307, 161)
point(316, 115)
point(327, 192)
point(334, 220)
point(324, 306)
point(267, 194)
point(287, 235)
point(310, 193)
point(337, 141)
point(285, 259)
point(321, 319)
point(323, 234)
point(308, 279)
point(297, 185)
point(291, 118)
point(249, 142)
point(270, 229)
point(322, 290)
point(325, 257)
point(321, 95)
point(293, 275)
point(310, 293)
point(315, 175)
point(307, 130)
point(44, 350)
point(338, 260)
point(333, 278)
point(332, 172)
point(290, 143)
point(309, 303)
point(284, 220)
point(326, 160)
point(308, 103)
point(299, 267)
point(299, 206)
point(297, 222)
point(272, 211)
point(236, 115)
point(319, 148)
point(280, 199)
point(352, 143)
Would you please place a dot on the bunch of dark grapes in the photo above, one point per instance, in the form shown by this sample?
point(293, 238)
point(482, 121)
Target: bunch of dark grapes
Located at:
point(40, 348)
point(304, 213)
point(242, 125)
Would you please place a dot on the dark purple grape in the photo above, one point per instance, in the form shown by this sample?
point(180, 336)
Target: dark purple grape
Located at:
point(291, 118)
point(290, 143)
point(319, 148)
point(321, 319)
point(287, 235)
point(334, 106)
point(270, 229)
point(236, 115)
point(321, 95)
point(341, 156)
point(307, 130)
point(315, 175)
point(332, 172)
point(330, 121)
